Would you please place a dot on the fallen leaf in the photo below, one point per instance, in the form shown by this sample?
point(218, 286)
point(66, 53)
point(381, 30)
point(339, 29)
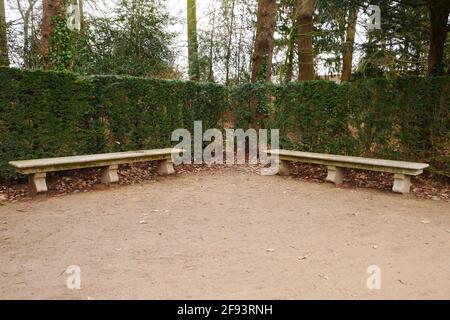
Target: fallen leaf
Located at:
point(303, 257)
point(143, 222)
point(270, 250)
point(425, 221)
point(324, 277)
point(375, 247)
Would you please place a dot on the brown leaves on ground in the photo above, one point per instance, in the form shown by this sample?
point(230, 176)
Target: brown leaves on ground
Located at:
point(425, 186)
point(60, 183)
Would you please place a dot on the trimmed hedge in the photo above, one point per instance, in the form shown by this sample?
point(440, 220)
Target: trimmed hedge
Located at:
point(400, 119)
point(48, 114)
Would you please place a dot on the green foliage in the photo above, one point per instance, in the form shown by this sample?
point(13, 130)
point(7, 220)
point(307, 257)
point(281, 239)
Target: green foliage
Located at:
point(48, 114)
point(399, 119)
point(135, 42)
point(401, 46)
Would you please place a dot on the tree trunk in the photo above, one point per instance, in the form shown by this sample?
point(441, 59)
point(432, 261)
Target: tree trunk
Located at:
point(4, 59)
point(192, 40)
point(439, 11)
point(230, 38)
point(50, 8)
point(305, 10)
point(82, 17)
point(238, 55)
point(448, 64)
point(349, 45)
point(289, 69)
point(211, 47)
point(27, 15)
point(264, 41)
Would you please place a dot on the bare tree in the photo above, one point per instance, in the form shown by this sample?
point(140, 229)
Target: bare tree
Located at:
point(26, 14)
point(264, 41)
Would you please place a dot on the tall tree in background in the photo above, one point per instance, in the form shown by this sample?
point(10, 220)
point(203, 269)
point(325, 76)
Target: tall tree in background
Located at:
point(439, 11)
point(30, 37)
point(192, 40)
point(229, 42)
point(264, 41)
point(287, 32)
point(138, 44)
point(51, 9)
point(305, 11)
point(4, 60)
point(82, 17)
point(349, 44)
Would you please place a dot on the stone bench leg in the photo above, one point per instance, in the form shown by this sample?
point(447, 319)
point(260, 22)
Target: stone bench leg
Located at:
point(335, 175)
point(402, 183)
point(37, 183)
point(109, 174)
point(165, 167)
point(284, 168)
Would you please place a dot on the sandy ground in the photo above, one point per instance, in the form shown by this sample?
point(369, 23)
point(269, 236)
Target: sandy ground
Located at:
point(227, 234)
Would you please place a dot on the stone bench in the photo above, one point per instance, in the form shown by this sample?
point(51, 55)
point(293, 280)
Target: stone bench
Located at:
point(403, 171)
point(38, 169)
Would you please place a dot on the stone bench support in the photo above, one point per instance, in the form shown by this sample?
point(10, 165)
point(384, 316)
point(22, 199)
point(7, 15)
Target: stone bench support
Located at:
point(110, 174)
point(402, 183)
point(37, 183)
point(335, 175)
point(165, 168)
point(284, 168)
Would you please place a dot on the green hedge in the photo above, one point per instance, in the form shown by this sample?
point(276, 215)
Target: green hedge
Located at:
point(400, 119)
point(48, 114)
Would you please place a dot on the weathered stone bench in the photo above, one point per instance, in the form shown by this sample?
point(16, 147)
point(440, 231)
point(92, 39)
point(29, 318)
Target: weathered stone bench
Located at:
point(402, 170)
point(38, 169)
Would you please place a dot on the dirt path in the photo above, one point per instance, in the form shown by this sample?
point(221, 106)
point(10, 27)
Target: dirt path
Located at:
point(230, 235)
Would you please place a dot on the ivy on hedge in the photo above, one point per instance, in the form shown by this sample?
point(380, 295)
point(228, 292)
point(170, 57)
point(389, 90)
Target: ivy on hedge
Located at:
point(48, 114)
